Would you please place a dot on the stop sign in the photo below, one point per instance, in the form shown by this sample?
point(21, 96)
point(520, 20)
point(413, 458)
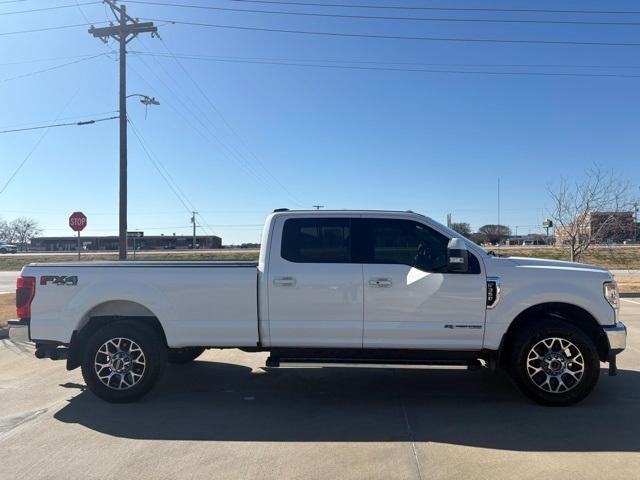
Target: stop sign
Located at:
point(77, 221)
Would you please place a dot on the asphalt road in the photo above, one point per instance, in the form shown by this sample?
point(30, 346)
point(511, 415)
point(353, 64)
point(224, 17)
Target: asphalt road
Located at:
point(225, 417)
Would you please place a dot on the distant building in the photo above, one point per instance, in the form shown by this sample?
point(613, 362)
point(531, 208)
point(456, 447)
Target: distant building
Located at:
point(110, 243)
point(603, 227)
point(530, 239)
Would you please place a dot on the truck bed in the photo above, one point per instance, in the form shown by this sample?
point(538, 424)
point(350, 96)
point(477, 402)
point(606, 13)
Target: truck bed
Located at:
point(197, 303)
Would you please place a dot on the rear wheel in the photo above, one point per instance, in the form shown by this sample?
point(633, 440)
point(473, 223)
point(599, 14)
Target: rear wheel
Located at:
point(123, 360)
point(185, 354)
point(554, 363)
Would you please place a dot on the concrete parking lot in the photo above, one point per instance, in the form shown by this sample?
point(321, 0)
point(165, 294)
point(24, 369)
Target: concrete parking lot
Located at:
point(225, 417)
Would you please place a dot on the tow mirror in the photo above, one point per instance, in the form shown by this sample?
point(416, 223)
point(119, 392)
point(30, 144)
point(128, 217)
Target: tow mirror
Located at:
point(457, 256)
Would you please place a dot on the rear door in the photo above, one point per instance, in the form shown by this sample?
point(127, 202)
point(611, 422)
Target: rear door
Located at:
point(410, 300)
point(315, 292)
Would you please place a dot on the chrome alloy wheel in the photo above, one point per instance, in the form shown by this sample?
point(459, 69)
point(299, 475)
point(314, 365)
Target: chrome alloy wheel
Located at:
point(555, 365)
point(120, 363)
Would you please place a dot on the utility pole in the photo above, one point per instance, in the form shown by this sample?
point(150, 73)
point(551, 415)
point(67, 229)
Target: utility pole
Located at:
point(193, 220)
point(125, 31)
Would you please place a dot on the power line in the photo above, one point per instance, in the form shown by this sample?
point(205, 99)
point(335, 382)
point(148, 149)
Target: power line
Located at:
point(47, 29)
point(73, 117)
point(226, 122)
point(382, 17)
point(78, 124)
point(460, 9)
point(48, 59)
point(412, 70)
point(209, 130)
point(55, 67)
point(57, 7)
point(166, 176)
point(38, 142)
point(379, 62)
point(152, 158)
point(400, 37)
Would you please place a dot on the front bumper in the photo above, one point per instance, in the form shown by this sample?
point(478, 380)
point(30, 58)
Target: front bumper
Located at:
point(617, 336)
point(19, 331)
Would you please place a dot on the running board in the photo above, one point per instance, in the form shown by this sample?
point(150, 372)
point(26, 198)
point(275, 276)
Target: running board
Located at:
point(276, 362)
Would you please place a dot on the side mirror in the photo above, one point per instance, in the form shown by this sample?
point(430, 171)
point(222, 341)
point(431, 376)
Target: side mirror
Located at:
point(457, 256)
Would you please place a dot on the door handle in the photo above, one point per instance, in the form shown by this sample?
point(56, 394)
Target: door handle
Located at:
point(284, 281)
point(380, 282)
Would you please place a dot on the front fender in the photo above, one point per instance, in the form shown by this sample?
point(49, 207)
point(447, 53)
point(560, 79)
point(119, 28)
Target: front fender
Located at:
point(517, 297)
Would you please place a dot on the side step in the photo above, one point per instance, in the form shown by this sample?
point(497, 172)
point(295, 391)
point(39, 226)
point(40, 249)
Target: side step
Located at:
point(283, 362)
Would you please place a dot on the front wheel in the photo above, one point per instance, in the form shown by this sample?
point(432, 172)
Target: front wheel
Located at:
point(123, 360)
point(554, 363)
point(185, 354)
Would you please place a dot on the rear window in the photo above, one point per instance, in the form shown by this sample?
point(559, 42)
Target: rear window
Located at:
point(317, 240)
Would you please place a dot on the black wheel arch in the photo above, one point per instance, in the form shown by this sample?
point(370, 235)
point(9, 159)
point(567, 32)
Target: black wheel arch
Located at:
point(79, 337)
point(566, 312)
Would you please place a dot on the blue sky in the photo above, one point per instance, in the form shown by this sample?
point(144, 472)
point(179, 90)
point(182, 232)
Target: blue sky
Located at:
point(344, 138)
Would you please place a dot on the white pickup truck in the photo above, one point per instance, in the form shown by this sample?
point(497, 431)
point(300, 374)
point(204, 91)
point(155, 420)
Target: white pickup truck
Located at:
point(332, 288)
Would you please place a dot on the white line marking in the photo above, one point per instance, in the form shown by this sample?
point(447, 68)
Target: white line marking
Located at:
point(630, 301)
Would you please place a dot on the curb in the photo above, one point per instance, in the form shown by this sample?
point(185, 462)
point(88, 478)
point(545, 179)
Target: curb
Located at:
point(630, 295)
point(4, 332)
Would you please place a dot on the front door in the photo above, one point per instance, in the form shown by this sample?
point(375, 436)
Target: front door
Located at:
point(410, 300)
point(315, 291)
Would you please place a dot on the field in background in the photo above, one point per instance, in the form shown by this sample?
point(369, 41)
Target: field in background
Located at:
point(7, 308)
point(619, 257)
point(10, 262)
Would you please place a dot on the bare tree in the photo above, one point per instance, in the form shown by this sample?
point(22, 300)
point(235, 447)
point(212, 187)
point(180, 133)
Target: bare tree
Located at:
point(494, 233)
point(7, 234)
point(462, 228)
point(23, 229)
point(591, 210)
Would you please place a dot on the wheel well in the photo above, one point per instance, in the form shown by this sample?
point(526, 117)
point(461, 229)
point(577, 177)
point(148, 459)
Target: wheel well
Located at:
point(104, 314)
point(564, 311)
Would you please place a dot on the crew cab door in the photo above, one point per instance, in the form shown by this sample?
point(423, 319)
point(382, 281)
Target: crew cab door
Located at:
point(410, 300)
point(315, 292)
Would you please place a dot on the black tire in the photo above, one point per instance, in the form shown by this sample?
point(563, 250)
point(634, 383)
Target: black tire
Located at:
point(142, 379)
point(524, 360)
point(3, 250)
point(184, 355)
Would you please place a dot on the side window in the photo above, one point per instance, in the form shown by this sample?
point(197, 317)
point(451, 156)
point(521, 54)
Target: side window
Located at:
point(317, 240)
point(409, 243)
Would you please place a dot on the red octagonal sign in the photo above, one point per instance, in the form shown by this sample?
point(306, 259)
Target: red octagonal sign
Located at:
point(77, 221)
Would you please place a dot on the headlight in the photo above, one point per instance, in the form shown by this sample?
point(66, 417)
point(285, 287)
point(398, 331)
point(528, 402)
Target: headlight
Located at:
point(611, 294)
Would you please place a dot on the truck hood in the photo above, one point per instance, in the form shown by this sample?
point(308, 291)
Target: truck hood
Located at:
point(555, 265)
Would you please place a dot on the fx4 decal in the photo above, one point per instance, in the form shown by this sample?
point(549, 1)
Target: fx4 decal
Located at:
point(58, 280)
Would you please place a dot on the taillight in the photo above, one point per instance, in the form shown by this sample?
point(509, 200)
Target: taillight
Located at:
point(25, 291)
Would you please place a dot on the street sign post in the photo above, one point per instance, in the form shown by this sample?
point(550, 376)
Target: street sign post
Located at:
point(135, 235)
point(547, 224)
point(77, 222)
